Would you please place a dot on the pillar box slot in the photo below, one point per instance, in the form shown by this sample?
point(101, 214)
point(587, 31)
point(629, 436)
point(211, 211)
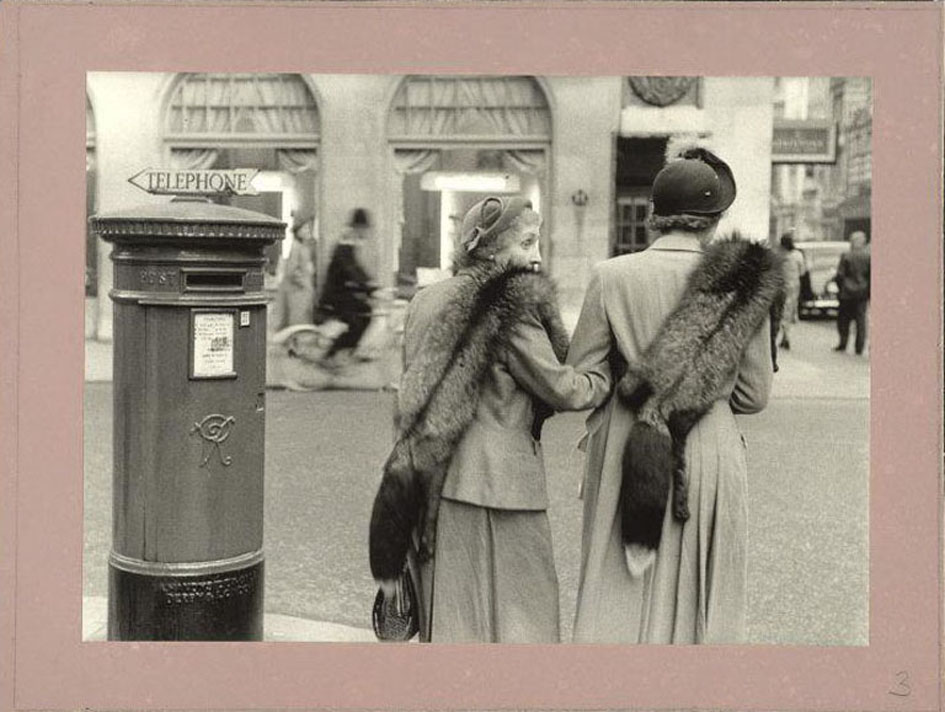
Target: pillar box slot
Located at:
point(218, 281)
point(189, 421)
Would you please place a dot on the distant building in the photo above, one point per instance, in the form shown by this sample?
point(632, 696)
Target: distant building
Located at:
point(852, 189)
point(824, 201)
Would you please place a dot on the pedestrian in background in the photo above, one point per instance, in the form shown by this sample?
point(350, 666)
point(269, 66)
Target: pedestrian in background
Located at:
point(348, 286)
point(665, 492)
point(465, 484)
point(795, 267)
point(853, 285)
point(296, 293)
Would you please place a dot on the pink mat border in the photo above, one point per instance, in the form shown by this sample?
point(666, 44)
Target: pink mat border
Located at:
point(48, 48)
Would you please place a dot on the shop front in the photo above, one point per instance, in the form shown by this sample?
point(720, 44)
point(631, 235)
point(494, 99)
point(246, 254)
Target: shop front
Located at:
point(453, 141)
point(199, 121)
point(660, 115)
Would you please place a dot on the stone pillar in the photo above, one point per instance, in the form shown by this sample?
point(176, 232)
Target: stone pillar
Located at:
point(585, 119)
point(740, 114)
point(127, 109)
point(354, 166)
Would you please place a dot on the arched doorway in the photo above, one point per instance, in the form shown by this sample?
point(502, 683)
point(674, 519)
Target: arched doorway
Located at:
point(269, 122)
point(454, 140)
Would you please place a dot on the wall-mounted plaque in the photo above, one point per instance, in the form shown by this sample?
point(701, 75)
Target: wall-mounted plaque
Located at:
point(211, 344)
point(662, 91)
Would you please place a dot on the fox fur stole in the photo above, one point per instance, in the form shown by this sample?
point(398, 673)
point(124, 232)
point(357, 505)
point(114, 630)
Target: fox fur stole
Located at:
point(438, 399)
point(691, 361)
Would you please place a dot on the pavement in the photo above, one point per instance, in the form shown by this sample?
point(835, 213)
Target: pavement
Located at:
point(809, 470)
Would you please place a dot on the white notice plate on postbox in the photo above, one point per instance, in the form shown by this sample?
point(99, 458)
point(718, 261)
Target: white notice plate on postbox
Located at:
point(211, 341)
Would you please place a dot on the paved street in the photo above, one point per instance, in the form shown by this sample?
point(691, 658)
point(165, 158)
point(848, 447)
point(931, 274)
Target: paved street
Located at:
point(808, 545)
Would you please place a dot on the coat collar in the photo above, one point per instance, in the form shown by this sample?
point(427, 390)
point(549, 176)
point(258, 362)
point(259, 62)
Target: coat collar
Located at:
point(678, 241)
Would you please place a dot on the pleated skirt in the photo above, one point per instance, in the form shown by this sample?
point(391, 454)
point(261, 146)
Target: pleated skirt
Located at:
point(492, 579)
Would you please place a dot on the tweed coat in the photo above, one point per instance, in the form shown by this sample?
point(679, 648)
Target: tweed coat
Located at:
point(498, 463)
point(492, 578)
point(696, 590)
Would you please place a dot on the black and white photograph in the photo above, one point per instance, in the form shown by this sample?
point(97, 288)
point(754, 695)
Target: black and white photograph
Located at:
point(477, 358)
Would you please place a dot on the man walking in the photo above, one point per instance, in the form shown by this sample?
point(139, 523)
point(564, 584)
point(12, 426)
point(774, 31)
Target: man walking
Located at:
point(853, 283)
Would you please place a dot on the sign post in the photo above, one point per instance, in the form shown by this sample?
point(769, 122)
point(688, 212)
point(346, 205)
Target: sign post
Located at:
point(237, 181)
point(189, 412)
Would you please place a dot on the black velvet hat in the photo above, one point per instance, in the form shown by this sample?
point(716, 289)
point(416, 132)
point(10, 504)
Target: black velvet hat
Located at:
point(697, 183)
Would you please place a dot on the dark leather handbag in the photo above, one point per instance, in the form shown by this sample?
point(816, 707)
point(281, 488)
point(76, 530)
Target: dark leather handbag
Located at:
point(397, 619)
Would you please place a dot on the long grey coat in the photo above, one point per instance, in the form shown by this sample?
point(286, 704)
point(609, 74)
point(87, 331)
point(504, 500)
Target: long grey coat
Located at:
point(696, 591)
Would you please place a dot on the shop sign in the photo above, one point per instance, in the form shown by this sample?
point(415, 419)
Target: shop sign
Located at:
point(804, 141)
point(236, 181)
point(473, 182)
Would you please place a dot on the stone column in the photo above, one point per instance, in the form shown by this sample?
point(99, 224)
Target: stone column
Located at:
point(127, 109)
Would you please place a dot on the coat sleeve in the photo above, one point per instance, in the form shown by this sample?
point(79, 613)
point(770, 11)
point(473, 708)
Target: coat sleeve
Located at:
point(535, 367)
point(755, 373)
point(592, 340)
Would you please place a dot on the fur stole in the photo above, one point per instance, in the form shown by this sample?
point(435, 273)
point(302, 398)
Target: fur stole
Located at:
point(686, 368)
point(438, 400)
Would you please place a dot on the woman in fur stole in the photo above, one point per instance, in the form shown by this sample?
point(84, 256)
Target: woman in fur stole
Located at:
point(463, 493)
point(684, 324)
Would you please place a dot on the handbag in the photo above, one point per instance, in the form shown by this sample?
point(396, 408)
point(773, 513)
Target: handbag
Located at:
point(396, 619)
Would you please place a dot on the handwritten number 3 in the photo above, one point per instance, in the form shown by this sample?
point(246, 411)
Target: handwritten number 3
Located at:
point(903, 688)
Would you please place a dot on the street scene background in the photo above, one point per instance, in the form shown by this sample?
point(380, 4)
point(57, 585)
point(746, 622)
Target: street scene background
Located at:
point(585, 151)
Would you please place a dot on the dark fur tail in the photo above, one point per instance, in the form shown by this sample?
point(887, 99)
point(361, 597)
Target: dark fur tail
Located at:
point(393, 520)
point(648, 467)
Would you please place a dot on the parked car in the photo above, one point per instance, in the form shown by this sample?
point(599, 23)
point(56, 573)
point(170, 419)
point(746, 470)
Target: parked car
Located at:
point(819, 296)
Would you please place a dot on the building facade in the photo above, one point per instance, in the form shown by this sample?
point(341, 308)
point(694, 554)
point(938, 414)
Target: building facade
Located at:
point(829, 200)
point(416, 151)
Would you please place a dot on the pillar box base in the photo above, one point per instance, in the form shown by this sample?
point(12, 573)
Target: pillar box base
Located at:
point(221, 606)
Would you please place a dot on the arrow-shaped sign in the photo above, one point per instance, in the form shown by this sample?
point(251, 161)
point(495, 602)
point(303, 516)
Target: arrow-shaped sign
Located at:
point(236, 181)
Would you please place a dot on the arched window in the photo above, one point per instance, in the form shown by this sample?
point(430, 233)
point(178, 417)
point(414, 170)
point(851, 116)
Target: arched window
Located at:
point(240, 107)
point(455, 139)
point(209, 112)
point(265, 121)
point(477, 109)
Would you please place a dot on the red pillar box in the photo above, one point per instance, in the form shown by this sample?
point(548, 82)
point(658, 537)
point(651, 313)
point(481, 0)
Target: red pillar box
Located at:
point(189, 420)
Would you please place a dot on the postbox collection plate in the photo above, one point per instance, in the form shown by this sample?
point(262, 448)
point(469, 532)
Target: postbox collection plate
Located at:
point(212, 343)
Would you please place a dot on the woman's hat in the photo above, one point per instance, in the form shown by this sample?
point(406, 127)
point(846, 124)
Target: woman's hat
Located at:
point(697, 183)
point(489, 217)
point(359, 218)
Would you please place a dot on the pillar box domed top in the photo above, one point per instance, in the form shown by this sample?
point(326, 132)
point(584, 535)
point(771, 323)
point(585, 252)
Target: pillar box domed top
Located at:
point(188, 251)
point(189, 220)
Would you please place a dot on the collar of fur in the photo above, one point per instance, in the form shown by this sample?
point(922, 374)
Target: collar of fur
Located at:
point(688, 366)
point(439, 395)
